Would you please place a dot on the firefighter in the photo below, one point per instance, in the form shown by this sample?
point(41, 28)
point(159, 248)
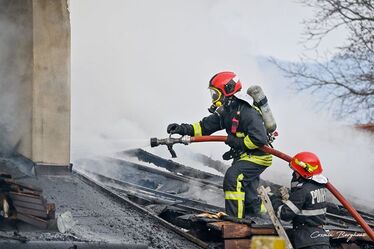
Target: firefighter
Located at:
point(306, 204)
point(246, 133)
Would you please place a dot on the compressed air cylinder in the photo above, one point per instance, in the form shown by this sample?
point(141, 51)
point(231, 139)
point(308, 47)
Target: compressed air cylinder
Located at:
point(262, 102)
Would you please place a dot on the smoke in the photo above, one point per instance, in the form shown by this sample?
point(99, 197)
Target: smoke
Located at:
point(304, 125)
point(15, 77)
point(140, 65)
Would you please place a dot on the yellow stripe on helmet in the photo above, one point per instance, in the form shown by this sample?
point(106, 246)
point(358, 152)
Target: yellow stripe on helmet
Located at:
point(308, 167)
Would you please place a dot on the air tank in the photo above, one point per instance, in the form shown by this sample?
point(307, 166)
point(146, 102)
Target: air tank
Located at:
point(262, 103)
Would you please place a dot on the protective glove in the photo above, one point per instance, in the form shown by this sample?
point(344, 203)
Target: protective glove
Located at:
point(182, 129)
point(235, 142)
point(284, 193)
point(276, 201)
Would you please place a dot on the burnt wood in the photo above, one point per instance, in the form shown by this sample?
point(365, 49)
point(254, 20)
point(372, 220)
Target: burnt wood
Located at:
point(36, 199)
point(237, 243)
point(33, 220)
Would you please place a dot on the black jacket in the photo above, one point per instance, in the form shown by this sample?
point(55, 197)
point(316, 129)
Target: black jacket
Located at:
point(306, 208)
point(251, 126)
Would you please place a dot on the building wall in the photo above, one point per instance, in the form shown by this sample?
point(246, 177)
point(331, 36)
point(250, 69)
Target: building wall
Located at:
point(35, 79)
point(51, 85)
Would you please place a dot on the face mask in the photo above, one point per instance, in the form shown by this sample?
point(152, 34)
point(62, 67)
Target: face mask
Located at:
point(216, 96)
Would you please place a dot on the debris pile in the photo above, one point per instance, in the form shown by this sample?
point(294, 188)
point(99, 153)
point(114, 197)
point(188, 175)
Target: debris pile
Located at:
point(25, 203)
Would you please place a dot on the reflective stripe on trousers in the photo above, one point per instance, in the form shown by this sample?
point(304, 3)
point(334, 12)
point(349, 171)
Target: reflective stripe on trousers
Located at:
point(237, 195)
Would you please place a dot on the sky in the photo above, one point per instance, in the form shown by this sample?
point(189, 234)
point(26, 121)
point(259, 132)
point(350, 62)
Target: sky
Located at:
point(139, 65)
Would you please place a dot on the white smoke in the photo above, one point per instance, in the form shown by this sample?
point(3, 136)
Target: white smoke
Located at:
point(15, 74)
point(140, 65)
point(304, 125)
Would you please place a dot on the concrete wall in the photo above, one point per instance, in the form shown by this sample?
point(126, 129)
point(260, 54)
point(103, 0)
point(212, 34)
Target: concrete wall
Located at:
point(51, 86)
point(35, 79)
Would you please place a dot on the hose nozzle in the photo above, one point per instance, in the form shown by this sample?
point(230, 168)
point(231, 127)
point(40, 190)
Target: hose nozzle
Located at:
point(154, 142)
point(169, 142)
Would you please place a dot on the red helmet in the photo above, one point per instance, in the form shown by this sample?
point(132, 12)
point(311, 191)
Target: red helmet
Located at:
point(307, 164)
point(226, 83)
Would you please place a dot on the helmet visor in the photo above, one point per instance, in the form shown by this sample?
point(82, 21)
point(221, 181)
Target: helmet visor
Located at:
point(215, 94)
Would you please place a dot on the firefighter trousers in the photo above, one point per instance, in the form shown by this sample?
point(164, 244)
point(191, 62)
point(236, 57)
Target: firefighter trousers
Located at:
point(240, 185)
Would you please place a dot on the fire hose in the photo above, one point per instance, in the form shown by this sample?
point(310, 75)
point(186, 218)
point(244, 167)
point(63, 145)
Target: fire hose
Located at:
point(170, 141)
